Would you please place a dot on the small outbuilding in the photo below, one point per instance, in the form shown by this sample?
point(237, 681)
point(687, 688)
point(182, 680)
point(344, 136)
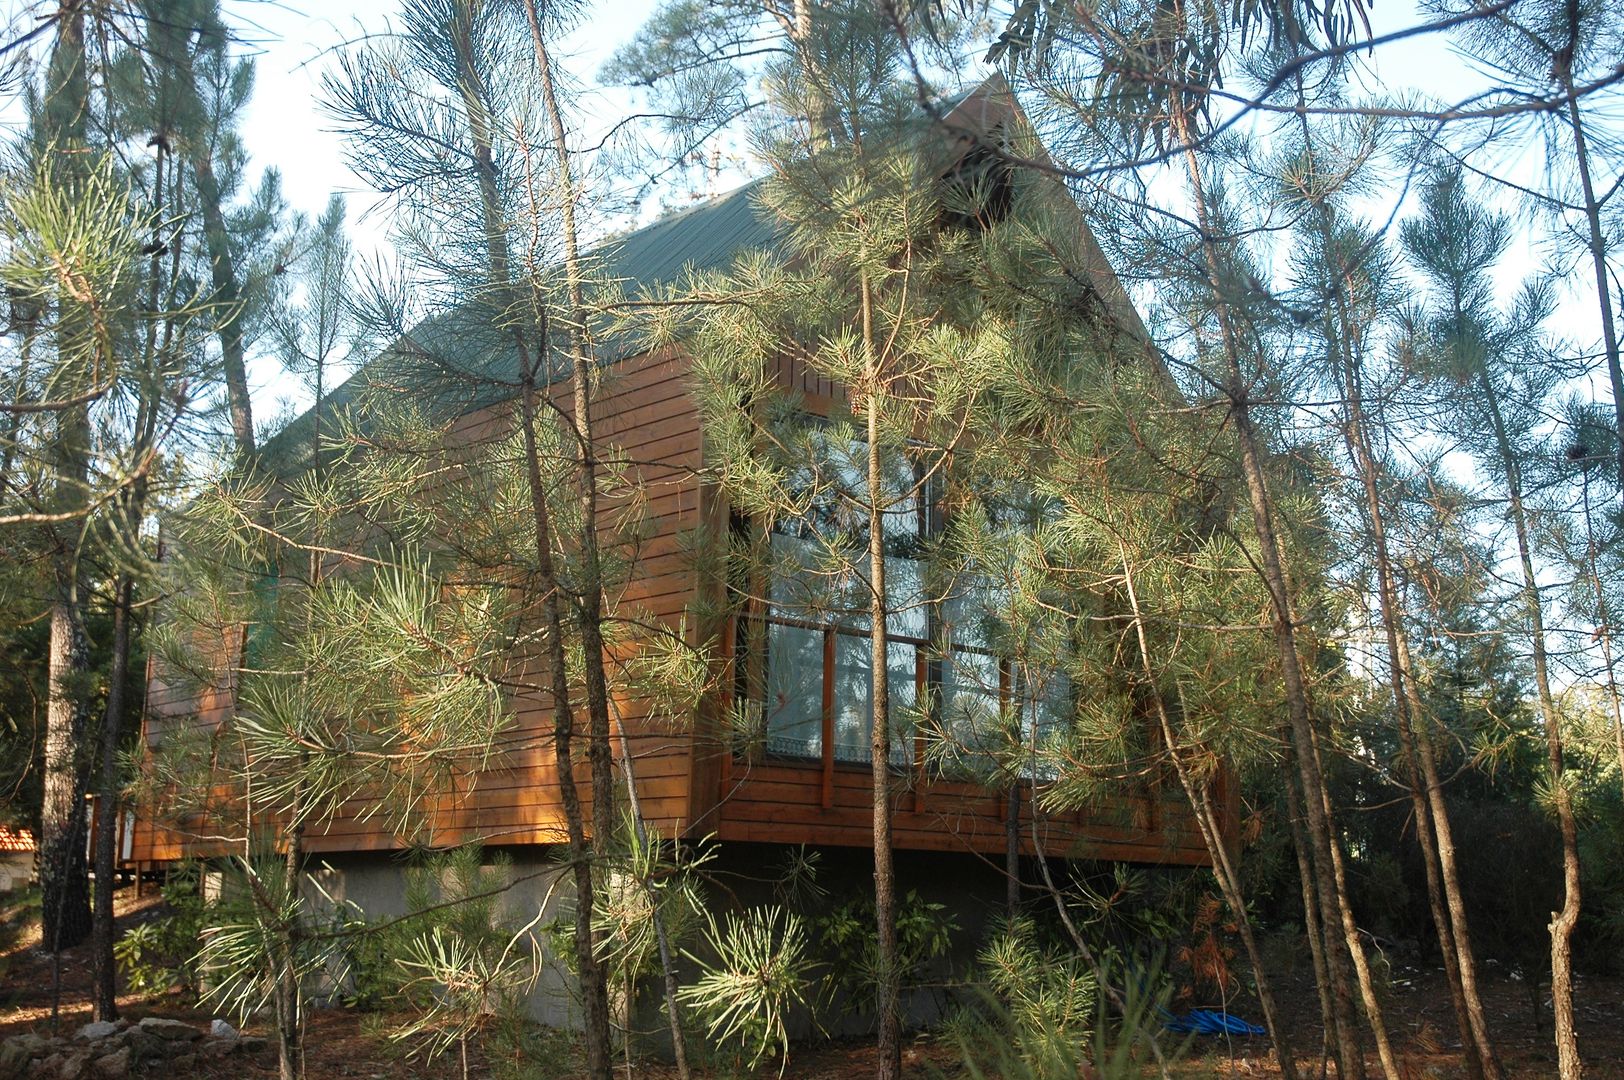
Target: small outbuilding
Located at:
point(17, 851)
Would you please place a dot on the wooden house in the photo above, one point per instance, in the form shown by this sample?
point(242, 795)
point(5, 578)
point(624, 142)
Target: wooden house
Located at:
point(810, 782)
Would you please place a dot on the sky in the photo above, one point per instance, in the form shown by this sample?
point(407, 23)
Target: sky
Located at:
point(295, 39)
point(294, 43)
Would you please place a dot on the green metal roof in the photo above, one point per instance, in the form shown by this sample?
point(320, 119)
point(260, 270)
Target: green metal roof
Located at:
point(704, 237)
point(468, 361)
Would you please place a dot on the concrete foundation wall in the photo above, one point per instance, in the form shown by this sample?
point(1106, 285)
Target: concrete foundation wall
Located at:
point(743, 876)
point(376, 884)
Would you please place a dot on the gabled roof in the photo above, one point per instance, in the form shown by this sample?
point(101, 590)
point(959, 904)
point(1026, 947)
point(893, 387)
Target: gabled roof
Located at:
point(471, 358)
point(702, 237)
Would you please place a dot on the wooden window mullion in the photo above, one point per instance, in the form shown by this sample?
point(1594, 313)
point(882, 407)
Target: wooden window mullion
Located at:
point(828, 717)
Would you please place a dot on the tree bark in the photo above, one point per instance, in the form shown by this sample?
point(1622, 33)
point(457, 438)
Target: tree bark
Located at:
point(1336, 1004)
point(104, 994)
point(65, 900)
point(64, 885)
point(1569, 1065)
point(227, 301)
point(1321, 839)
point(589, 611)
point(888, 989)
point(225, 276)
point(594, 987)
point(1596, 241)
point(1431, 812)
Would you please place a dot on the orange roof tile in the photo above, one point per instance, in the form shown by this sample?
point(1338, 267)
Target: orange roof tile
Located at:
point(16, 839)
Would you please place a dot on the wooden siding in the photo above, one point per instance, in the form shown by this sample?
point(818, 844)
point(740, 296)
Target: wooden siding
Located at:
point(644, 417)
point(782, 801)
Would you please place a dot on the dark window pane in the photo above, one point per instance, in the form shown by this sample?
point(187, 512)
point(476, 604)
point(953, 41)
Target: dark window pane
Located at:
point(853, 662)
point(794, 691)
point(971, 719)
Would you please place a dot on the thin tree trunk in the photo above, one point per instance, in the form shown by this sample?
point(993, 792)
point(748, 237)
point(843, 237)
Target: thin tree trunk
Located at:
point(1206, 821)
point(133, 507)
point(1597, 239)
point(888, 991)
point(1336, 1008)
point(227, 300)
point(668, 963)
point(1449, 865)
point(590, 602)
point(1356, 949)
point(1432, 823)
point(104, 994)
point(289, 1011)
point(1563, 921)
point(1350, 1062)
point(594, 987)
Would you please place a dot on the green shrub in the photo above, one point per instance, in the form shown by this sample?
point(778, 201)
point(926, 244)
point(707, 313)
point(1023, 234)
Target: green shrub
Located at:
point(1038, 1013)
point(744, 997)
point(160, 954)
point(845, 935)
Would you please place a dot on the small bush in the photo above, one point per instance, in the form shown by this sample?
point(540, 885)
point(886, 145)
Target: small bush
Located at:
point(846, 942)
point(1041, 1014)
point(744, 997)
point(160, 955)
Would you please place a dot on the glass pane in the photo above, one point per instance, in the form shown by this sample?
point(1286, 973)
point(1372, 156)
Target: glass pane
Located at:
point(1046, 711)
point(905, 586)
point(971, 718)
point(970, 612)
point(794, 703)
point(853, 662)
point(900, 661)
point(832, 536)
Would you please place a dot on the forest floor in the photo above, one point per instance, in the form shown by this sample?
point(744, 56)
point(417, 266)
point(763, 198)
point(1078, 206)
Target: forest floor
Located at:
point(348, 1044)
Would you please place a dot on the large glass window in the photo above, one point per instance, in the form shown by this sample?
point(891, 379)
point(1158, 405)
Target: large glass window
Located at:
point(818, 658)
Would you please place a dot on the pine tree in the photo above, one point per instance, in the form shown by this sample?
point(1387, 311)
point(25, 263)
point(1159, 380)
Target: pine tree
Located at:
point(1564, 50)
point(1345, 274)
point(1501, 377)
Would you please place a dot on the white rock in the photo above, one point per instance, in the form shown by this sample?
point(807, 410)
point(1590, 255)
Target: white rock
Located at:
point(99, 1029)
point(173, 1030)
point(222, 1030)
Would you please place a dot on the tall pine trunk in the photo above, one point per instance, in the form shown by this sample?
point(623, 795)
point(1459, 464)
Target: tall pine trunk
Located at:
point(1563, 921)
point(591, 974)
point(1318, 827)
point(225, 274)
point(1335, 1001)
point(64, 884)
point(1596, 238)
point(1431, 813)
point(583, 363)
point(104, 993)
point(133, 509)
point(888, 979)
